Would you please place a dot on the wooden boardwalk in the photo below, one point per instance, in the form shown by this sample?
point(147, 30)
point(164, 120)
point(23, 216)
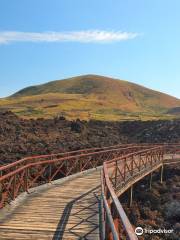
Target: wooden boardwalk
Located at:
point(68, 211)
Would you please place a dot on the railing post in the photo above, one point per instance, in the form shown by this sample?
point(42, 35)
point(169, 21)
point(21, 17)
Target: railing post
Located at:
point(66, 168)
point(116, 166)
point(131, 196)
point(50, 173)
point(150, 183)
point(139, 162)
point(102, 220)
point(80, 164)
point(132, 165)
point(162, 170)
point(102, 208)
point(107, 227)
point(26, 179)
point(151, 160)
point(124, 169)
point(14, 187)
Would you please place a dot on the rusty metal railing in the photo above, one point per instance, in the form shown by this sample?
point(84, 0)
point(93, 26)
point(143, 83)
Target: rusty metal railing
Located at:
point(21, 175)
point(117, 176)
point(121, 165)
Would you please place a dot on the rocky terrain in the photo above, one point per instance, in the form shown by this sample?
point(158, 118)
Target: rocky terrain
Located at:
point(158, 207)
point(20, 138)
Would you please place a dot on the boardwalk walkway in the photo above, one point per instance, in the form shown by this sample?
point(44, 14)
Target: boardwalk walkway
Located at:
point(68, 211)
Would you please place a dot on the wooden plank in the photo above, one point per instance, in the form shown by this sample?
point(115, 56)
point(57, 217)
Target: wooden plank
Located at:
point(65, 211)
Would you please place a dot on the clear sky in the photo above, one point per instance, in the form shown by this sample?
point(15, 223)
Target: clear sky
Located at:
point(135, 40)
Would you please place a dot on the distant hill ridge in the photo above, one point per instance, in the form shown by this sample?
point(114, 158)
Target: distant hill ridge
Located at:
point(91, 96)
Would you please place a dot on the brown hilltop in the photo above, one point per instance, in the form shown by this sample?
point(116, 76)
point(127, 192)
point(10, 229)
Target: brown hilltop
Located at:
point(91, 97)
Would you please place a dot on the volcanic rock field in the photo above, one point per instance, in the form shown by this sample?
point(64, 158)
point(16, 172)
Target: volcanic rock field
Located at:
point(158, 208)
point(20, 138)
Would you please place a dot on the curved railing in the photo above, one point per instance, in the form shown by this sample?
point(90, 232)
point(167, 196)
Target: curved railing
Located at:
point(26, 173)
point(121, 173)
point(123, 165)
point(19, 163)
point(24, 161)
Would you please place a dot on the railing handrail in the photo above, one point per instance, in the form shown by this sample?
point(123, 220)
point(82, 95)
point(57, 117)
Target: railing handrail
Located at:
point(108, 187)
point(124, 219)
point(133, 154)
point(51, 161)
point(2, 168)
point(14, 176)
point(48, 155)
point(22, 175)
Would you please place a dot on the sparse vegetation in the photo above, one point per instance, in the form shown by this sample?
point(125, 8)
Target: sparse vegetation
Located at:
point(92, 97)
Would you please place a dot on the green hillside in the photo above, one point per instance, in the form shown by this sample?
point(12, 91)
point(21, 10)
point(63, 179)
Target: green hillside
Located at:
point(91, 96)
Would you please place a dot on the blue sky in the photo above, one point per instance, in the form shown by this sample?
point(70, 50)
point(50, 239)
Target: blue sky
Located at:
point(45, 40)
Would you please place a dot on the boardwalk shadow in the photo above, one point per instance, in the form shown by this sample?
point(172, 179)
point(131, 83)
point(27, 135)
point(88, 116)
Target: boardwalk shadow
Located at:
point(83, 210)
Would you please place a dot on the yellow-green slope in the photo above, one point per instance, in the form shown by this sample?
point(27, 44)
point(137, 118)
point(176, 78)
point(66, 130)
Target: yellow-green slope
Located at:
point(90, 96)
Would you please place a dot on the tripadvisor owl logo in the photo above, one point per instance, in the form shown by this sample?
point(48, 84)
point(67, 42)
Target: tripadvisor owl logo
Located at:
point(139, 231)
